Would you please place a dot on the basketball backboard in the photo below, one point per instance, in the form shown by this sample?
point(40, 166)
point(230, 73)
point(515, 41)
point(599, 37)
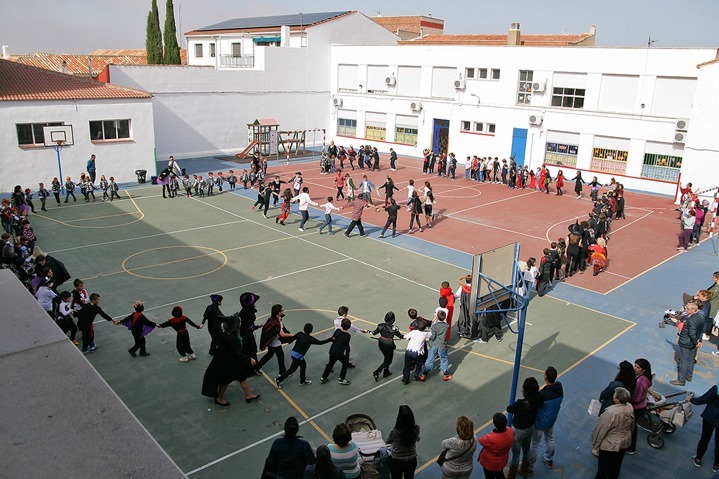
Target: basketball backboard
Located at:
point(494, 275)
point(62, 133)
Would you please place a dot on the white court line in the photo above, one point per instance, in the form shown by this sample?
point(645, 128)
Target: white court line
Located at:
point(495, 227)
point(145, 237)
point(489, 203)
point(614, 231)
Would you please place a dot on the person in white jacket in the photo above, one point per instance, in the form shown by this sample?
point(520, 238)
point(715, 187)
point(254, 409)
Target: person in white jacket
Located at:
point(304, 201)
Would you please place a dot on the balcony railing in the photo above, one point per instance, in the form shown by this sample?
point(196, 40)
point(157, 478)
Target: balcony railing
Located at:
point(232, 61)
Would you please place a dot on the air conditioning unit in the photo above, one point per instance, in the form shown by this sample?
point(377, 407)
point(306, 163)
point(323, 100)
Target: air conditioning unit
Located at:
point(681, 125)
point(337, 102)
point(460, 84)
point(536, 119)
point(390, 81)
point(680, 137)
point(539, 87)
point(415, 106)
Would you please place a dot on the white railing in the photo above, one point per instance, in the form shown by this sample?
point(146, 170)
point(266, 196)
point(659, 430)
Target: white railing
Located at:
point(231, 61)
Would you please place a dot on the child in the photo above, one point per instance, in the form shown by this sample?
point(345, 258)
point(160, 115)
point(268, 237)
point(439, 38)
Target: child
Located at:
point(64, 316)
point(113, 189)
point(415, 352)
point(262, 190)
point(202, 185)
point(341, 342)
point(69, 189)
point(27, 232)
point(303, 341)
point(342, 312)
point(438, 347)
point(187, 184)
point(297, 183)
point(594, 189)
point(43, 194)
point(195, 185)
point(445, 291)
point(559, 182)
point(220, 180)
point(174, 186)
point(410, 190)
point(79, 295)
point(28, 199)
point(285, 208)
point(210, 183)
point(350, 187)
point(85, 319)
point(232, 180)
point(340, 184)
point(56, 187)
point(416, 319)
point(253, 178)
point(387, 331)
point(244, 178)
point(329, 208)
point(140, 327)
point(105, 187)
point(90, 187)
point(179, 323)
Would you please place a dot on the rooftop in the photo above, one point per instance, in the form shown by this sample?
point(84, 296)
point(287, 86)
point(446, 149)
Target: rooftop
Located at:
point(502, 39)
point(19, 82)
point(275, 21)
point(414, 24)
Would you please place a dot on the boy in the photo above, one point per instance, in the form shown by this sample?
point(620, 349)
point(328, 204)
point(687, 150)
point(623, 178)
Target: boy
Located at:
point(86, 317)
point(113, 189)
point(416, 319)
point(343, 311)
point(303, 341)
point(140, 327)
point(415, 352)
point(437, 347)
point(244, 178)
point(187, 184)
point(179, 323)
point(329, 207)
point(341, 341)
point(232, 180)
point(445, 291)
point(210, 183)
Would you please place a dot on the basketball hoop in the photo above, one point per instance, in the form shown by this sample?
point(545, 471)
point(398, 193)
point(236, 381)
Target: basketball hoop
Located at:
point(59, 143)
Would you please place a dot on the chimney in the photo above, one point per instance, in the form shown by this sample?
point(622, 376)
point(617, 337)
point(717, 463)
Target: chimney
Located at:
point(514, 36)
point(64, 67)
point(5, 53)
point(285, 36)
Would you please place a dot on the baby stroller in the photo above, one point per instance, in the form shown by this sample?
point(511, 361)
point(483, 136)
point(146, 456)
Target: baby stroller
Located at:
point(664, 416)
point(374, 454)
point(675, 316)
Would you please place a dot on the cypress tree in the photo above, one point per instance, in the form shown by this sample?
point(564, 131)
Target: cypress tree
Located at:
point(153, 40)
point(172, 49)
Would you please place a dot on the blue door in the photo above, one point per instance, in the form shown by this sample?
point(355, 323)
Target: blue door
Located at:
point(519, 144)
point(440, 138)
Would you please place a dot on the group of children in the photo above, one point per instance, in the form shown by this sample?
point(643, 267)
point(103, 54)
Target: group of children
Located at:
point(109, 189)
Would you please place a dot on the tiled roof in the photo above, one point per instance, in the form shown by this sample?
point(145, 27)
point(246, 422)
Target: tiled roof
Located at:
point(276, 21)
point(78, 64)
point(20, 82)
point(526, 40)
point(710, 62)
point(409, 23)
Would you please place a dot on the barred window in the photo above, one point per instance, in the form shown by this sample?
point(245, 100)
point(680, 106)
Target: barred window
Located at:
point(661, 167)
point(609, 161)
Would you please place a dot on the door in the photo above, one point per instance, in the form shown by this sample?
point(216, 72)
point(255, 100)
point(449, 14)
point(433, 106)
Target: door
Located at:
point(440, 137)
point(519, 145)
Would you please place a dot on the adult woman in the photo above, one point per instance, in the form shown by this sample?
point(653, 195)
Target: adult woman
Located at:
point(389, 189)
point(495, 448)
point(612, 434)
point(324, 468)
point(387, 331)
point(643, 373)
point(525, 413)
point(228, 364)
point(248, 315)
point(428, 204)
point(273, 335)
point(403, 442)
point(344, 452)
point(289, 455)
point(214, 317)
point(710, 425)
point(578, 184)
point(619, 194)
point(416, 211)
point(625, 378)
point(460, 449)
point(688, 220)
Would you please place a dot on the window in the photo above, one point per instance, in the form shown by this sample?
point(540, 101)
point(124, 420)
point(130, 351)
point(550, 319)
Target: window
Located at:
point(524, 87)
point(109, 130)
point(31, 134)
point(478, 127)
point(236, 49)
point(483, 73)
point(347, 78)
point(466, 126)
point(469, 73)
point(491, 128)
point(568, 97)
point(198, 50)
point(495, 73)
point(347, 127)
point(376, 128)
point(661, 167)
point(609, 160)
point(561, 154)
point(212, 50)
point(405, 135)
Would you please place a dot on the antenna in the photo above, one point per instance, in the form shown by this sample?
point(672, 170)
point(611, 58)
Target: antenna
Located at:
point(650, 42)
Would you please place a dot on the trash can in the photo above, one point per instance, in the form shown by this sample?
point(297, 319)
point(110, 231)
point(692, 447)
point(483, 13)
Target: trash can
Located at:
point(141, 175)
point(153, 180)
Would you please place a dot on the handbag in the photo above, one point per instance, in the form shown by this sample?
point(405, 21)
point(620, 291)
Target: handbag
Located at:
point(594, 407)
point(442, 458)
point(715, 331)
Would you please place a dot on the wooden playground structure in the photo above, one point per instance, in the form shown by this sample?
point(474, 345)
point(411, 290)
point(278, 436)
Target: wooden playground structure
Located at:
point(265, 137)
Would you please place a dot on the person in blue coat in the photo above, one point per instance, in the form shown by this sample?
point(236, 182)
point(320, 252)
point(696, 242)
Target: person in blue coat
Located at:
point(710, 425)
point(552, 394)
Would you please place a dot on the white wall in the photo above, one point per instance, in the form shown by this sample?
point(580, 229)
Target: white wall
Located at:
point(28, 166)
point(495, 101)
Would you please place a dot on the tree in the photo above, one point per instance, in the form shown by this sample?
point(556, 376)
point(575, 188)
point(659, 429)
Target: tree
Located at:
point(172, 49)
point(153, 40)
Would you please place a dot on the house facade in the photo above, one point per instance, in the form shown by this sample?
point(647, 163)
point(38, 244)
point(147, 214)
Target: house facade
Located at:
point(610, 112)
point(114, 123)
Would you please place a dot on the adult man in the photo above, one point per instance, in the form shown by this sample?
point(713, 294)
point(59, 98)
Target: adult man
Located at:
point(276, 185)
point(90, 167)
point(552, 393)
point(358, 207)
point(392, 159)
point(690, 338)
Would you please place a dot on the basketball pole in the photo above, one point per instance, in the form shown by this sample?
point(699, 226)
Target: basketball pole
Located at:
point(58, 147)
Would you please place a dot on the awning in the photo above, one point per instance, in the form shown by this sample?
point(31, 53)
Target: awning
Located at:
point(266, 39)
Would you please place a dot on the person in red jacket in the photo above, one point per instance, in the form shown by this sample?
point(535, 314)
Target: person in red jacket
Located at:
point(495, 448)
point(445, 291)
